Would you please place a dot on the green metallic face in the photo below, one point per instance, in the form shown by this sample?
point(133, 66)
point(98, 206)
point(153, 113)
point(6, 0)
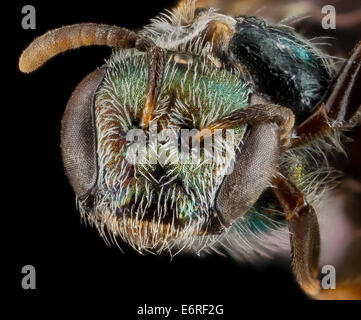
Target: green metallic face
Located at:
point(168, 193)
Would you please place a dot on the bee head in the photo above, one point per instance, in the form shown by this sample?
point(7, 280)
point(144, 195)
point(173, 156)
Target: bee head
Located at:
point(153, 187)
point(136, 143)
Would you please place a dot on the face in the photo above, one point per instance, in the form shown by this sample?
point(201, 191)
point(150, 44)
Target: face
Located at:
point(155, 188)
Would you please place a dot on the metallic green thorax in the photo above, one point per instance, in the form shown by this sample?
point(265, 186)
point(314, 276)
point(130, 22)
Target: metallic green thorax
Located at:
point(284, 67)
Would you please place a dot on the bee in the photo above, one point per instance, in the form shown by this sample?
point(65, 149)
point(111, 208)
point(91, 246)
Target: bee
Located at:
point(197, 69)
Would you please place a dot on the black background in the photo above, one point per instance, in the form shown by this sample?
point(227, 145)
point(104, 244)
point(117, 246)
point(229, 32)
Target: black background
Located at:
point(70, 258)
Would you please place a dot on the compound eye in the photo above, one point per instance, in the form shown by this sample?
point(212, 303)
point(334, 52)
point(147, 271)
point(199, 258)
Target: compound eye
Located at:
point(78, 135)
point(251, 175)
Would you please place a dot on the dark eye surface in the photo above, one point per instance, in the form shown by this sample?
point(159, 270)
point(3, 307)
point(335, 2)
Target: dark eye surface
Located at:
point(253, 166)
point(78, 136)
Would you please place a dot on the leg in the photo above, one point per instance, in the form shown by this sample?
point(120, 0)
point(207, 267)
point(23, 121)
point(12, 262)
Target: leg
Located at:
point(85, 34)
point(218, 32)
point(304, 233)
point(253, 115)
point(345, 99)
point(341, 105)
